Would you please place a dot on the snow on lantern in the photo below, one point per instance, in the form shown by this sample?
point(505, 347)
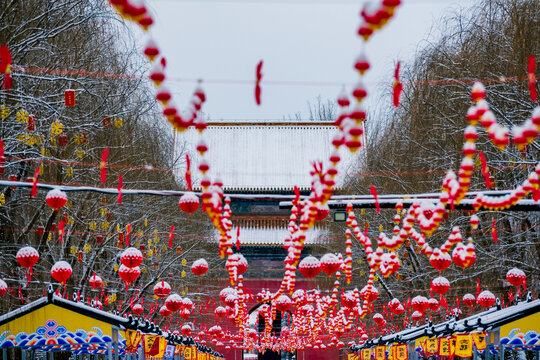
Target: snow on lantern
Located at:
point(330, 263)
point(184, 314)
point(322, 212)
point(478, 92)
point(515, 276)
point(164, 311)
point(61, 271)
point(137, 309)
point(163, 94)
point(95, 281)
point(187, 303)
point(309, 266)
point(157, 73)
point(27, 257)
point(486, 299)
point(440, 260)
point(3, 287)
point(162, 289)
point(56, 199)
point(379, 319)
point(283, 303)
point(173, 302)
point(440, 285)
point(361, 64)
point(151, 49)
point(419, 303)
point(199, 267)
point(128, 274)
point(131, 257)
point(226, 292)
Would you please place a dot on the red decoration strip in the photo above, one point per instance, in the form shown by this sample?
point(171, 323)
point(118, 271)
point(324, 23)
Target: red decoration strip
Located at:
point(171, 236)
point(103, 165)
point(120, 185)
point(258, 77)
point(398, 86)
point(373, 191)
point(35, 182)
point(531, 68)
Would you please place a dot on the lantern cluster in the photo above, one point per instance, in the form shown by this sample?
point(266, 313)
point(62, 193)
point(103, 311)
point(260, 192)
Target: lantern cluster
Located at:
point(129, 271)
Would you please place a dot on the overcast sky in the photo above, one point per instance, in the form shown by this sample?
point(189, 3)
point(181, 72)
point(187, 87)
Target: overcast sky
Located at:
point(308, 48)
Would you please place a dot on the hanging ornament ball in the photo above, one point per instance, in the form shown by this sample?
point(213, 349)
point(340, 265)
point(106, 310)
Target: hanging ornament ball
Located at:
point(469, 300)
point(379, 319)
point(440, 260)
point(173, 302)
point(162, 289)
point(440, 285)
point(187, 303)
point(131, 257)
point(322, 212)
point(330, 263)
point(515, 276)
point(369, 294)
point(27, 256)
point(95, 281)
point(394, 303)
point(199, 267)
point(61, 271)
point(3, 287)
point(417, 316)
point(137, 309)
point(399, 309)
point(186, 330)
point(164, 311)
point(310, 266)
point(226, 292)
point(348, 299)
point(486, 299)
point(127, 274)
point(220, 311)
point(433, 304)
point(419, 303)
point(56, 198)
point(189, 202)
point(283, 303)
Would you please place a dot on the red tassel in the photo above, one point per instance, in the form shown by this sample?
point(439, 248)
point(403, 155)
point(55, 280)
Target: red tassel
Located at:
point(398, 86)
point(477, 286)
point(188, 174)
point(238, 238)
point(258, 90)
point(485, 169)
point(531, 68)
point(494, 231)
point(128, 231)
point(5, 66)
point(103, 165)
point(2, 157)
point(373, 191)
point(60, 231)
point(171, 235)
point(120, 184)
point(35, 182)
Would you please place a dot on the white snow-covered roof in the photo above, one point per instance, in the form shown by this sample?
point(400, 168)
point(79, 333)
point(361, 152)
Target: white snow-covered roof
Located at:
point(275, 236)
point(264, 156)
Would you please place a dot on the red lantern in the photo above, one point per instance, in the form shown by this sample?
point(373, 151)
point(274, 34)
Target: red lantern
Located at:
point(151, 49)
point(61, 271)
point(322, 212)
point(95, 281)
point(27, 257)
point(330, 263)
point(129, 275)
point(220, 311)
point(173, 302)
point(226, 292)
point(399, 309)
point(56, 198)
point(433, 304)
point(164, 311)
point(379, 319)
point(369, 296)
point(515, 276)
point(184, 314)
point(131, 257)
point(469, 300)
point(187, 303)
point(309, 266)
point(283, 303)
point(486, 299)
point(3, 287)
point(419, 303)
point(137, 309)
point(417, 315)
point(162, 289)
point(189, 202)
point(186, 330)
point(440, 260)
point(440, 285)
point(348, 299)
point(199, 267)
